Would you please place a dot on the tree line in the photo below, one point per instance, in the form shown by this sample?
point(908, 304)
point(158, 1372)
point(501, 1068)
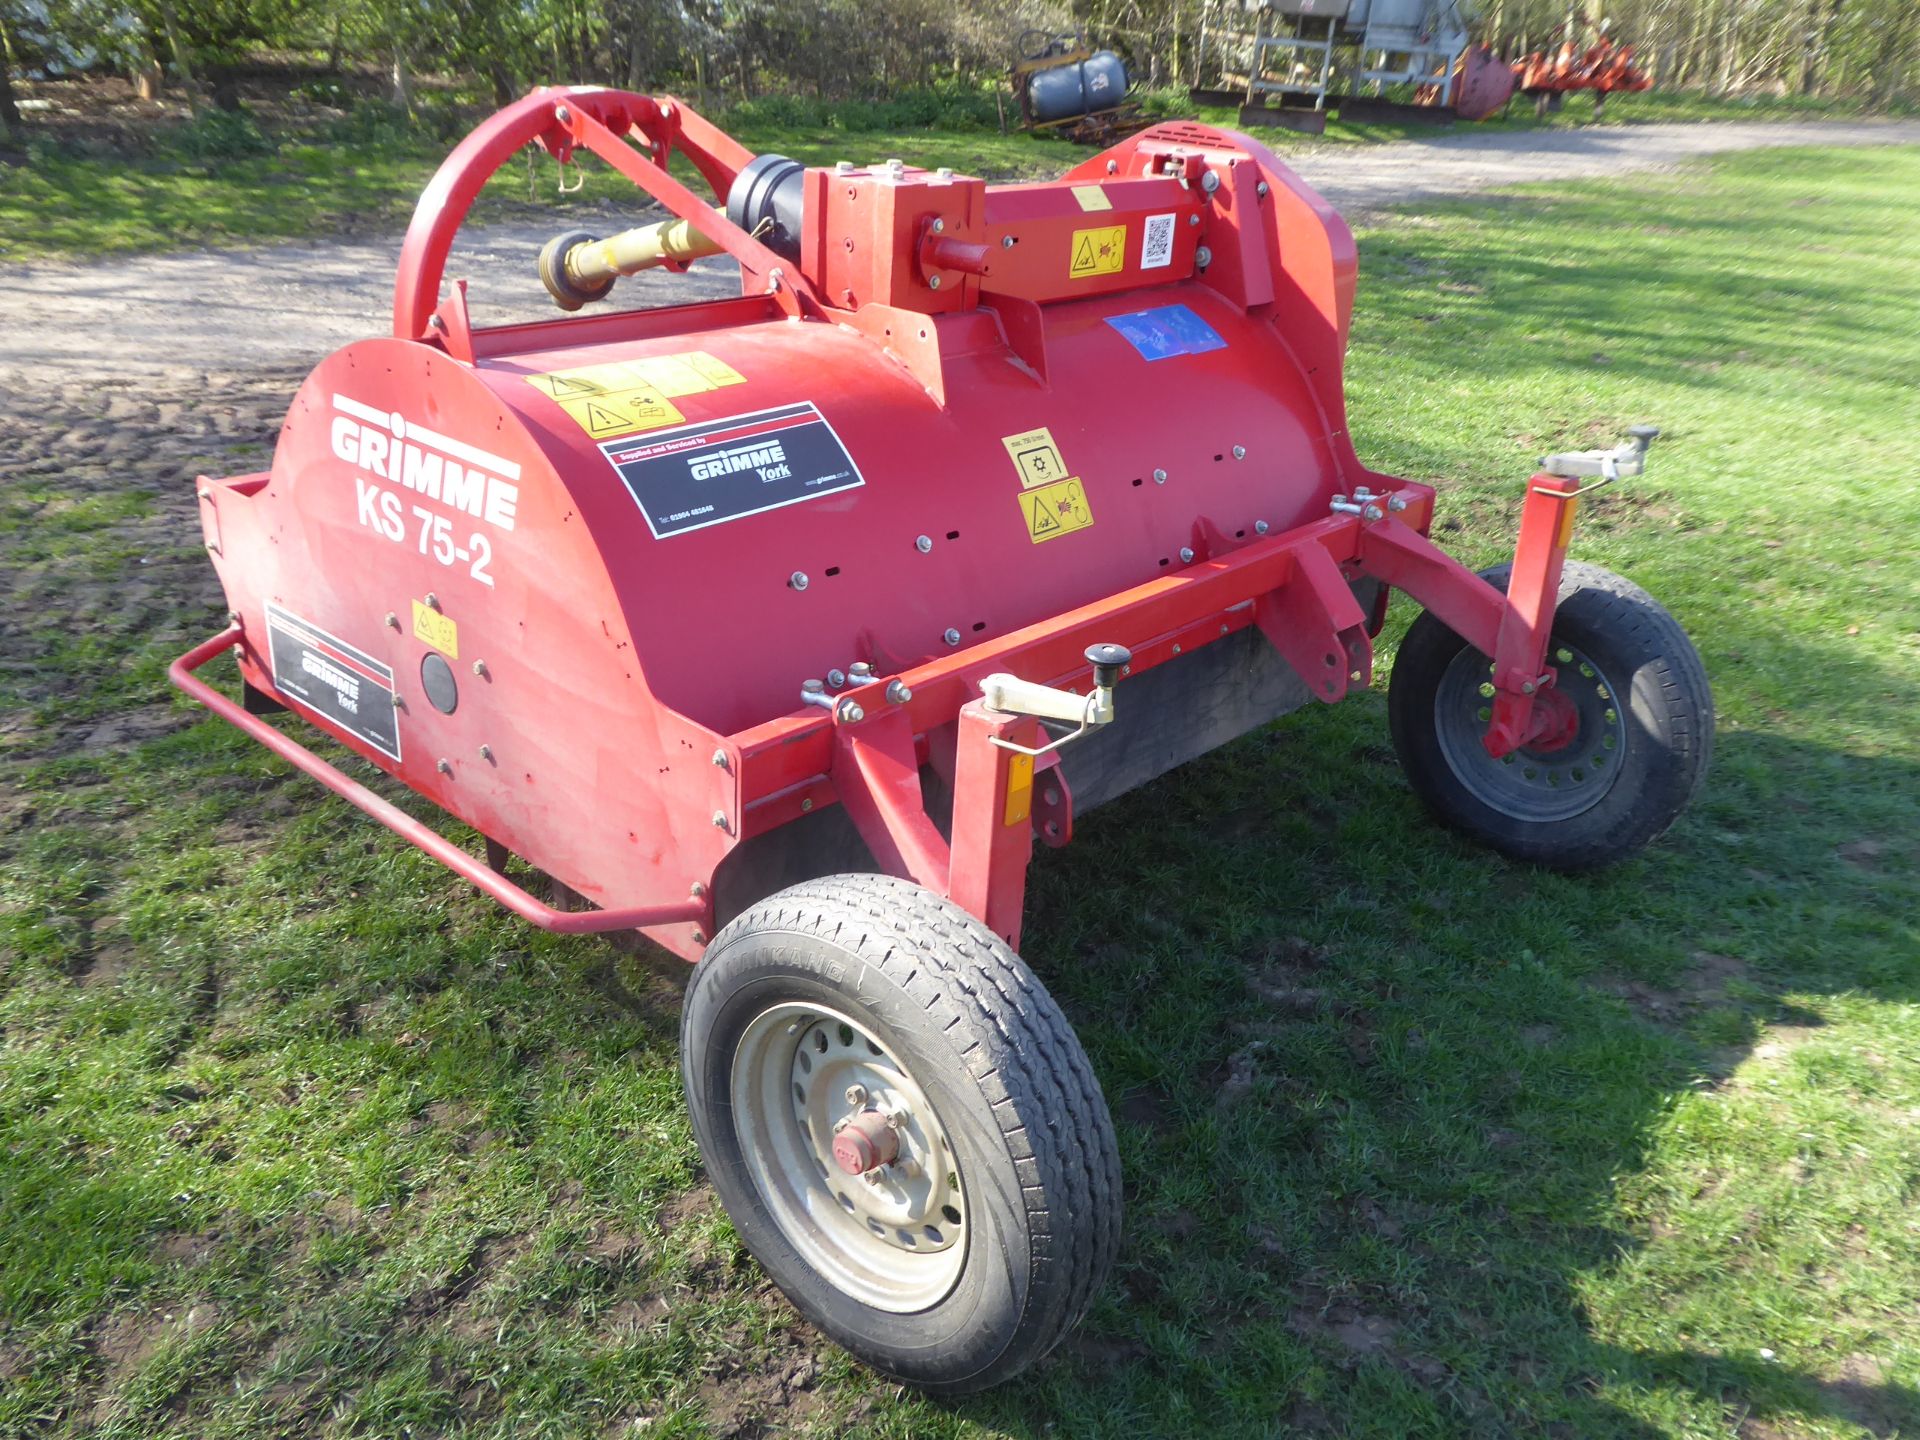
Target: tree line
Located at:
point(832, 50)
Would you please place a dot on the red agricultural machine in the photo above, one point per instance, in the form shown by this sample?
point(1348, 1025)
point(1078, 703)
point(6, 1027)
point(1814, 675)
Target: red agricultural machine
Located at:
point(1602, 67)
point(782, 627)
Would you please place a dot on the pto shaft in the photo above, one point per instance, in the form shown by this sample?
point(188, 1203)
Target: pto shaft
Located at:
point(578, 268)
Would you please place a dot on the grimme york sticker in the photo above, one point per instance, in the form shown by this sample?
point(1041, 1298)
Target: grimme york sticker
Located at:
point(700, 475)
point(331, 678)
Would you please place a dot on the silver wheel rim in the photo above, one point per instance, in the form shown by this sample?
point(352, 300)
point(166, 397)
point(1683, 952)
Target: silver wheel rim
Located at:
point(1539, 786)
point(894, 1238)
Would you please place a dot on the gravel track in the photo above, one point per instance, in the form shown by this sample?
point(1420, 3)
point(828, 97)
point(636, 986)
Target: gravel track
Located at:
point(176, 316)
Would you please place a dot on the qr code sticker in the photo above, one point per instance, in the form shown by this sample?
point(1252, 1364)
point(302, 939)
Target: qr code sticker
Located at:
point(1156, 250)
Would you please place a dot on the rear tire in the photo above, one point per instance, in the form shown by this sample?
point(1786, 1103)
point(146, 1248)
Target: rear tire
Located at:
point(1639, 750)
point(986, 1239)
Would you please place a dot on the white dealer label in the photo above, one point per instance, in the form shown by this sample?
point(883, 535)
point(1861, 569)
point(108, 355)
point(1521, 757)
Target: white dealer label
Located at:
point(1156, 247)
point(425, 465)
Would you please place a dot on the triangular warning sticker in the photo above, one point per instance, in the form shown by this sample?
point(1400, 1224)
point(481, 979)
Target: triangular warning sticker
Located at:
point(1083, 255)
point(601, 420)
point(1040, 521)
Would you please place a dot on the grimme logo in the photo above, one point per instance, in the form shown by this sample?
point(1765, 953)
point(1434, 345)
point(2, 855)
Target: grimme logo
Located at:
point(768, 460)
point(436, 467)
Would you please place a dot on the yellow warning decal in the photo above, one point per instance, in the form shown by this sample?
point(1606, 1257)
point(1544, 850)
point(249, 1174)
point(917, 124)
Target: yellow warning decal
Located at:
point(1098, 252)
point(1036, 457)
point(436, 629)
point(1092, 197)
point(622, 396)
point(1055, 510)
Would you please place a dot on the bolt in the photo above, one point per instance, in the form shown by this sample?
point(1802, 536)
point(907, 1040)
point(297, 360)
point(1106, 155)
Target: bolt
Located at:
point(1260, 527)
point(1193, 220)
point(699, 936)
point(1202, 257)
point(923, 543)
point(1209, 181)
point(895, 166)
point(836, 679)
point(1186, 554)
point(1006, 242)
point(393, 621)
point(933, 282)
point(398, 703)
point(945, 172)
point(1397, 503)
point(1239, 452)
point(1159, 477)
point(486, 753)
point(1225, 629)
point(1113, 167)
point(480, 668)
point(939, 226)
point(952, 637)
point(896, 1120)
point(841, 1124)
point(798, 580)
point(851, 714)
point(860, 672)
point(563, 115)
point(813, 687)
point(433, 601)
point(697, 890)
point(443, 767)
point(898, 692)
point(775, 277)
point(1526, 687)
point(1176, 649)
point(872, 1177)
point(437, 322)
point(720, 759)
point(720, 821)
point(843, 167)
point(806, 805)
point(1261, 189)
point(856, 1094)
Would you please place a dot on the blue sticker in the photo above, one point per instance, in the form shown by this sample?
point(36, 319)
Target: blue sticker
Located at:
point(1166, 331)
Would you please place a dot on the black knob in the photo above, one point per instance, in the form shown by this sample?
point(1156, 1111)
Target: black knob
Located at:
point(1106, 661)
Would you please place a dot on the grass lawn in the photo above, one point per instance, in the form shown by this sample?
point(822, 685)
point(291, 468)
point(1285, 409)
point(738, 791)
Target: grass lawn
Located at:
point(319, 178)
point(298, 1136)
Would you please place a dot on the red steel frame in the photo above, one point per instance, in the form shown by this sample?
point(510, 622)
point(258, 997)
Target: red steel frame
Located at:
point(1295, 586)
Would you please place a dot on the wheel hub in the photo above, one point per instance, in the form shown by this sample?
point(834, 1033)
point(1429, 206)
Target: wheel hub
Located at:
point(850, 1157)
point(1569, 763)
point(865, 1141)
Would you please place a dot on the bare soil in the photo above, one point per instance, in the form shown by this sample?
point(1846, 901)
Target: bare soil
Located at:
point(183, 316)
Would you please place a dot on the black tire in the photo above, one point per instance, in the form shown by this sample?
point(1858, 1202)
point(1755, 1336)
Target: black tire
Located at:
point(1641, 763)
point(1014, 1094)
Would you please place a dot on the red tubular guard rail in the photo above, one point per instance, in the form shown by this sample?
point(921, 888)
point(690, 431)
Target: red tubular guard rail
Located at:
point(475, 871)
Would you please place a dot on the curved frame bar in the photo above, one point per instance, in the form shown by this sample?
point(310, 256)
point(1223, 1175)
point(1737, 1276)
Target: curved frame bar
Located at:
point(494, 884)
point(600, 119)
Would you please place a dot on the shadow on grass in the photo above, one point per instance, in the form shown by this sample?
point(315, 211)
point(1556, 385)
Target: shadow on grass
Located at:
point(1375, 1136)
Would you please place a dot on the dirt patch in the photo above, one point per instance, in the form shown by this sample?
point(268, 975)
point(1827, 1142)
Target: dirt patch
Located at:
point(765, 1394)
point(1147, 1108)
point(124, 1343)
point(1864, 854)
point(1703, 985)
point(185, 1250)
